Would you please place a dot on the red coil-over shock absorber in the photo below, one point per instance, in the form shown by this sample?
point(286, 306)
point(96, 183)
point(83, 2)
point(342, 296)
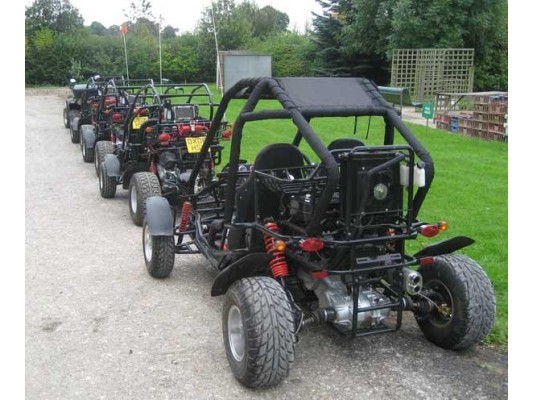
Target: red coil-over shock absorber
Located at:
point(278, 263)
point(185, 212)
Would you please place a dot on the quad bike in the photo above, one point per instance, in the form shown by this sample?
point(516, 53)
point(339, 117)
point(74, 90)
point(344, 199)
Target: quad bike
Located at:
point(297, 243)
point(160, 143)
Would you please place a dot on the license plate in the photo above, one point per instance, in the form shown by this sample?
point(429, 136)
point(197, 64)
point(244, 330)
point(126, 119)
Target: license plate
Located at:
point(194, 144)
point(138, 121)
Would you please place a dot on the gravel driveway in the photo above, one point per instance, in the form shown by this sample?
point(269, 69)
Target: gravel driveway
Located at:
point(99, 327)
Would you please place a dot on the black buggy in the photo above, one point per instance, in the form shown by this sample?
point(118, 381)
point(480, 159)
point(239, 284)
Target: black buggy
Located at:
point(107, 118)
point(297, 243)
point(159, 143)
point(80, 109)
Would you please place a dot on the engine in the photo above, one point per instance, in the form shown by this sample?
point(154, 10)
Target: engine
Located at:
point(335, 301)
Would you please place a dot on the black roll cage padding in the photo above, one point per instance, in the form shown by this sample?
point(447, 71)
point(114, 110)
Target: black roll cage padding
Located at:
point(270, 88)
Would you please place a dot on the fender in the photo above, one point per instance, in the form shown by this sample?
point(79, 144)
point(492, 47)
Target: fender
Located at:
point(252, 264)
point(89, 137)
point(75, 122)
point(159, 216)
point(445, 247)
point(112, 165)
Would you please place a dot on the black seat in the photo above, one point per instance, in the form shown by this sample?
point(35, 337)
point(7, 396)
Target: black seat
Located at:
point(343, 145)
point(273, 156)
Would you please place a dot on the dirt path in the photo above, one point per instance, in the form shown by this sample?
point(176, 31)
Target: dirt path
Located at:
point(98, 327)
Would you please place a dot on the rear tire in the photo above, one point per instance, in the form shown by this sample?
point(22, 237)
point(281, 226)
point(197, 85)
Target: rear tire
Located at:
point(66, 120)
point(108, 184)
point(158, 253)
point(258, 330)
point(74, 133)
point(101, 149)
point(87, 154)
point(460, 286)
point(142, 186)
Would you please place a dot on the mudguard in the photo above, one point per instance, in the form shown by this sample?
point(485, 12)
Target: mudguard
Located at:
point(112, 165)
point(250, 265)
point(159, 216)
point(89, 137)
point(74, 123)
point(445, 247)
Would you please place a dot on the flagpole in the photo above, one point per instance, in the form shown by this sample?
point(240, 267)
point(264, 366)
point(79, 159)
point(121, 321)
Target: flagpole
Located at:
point(160, 58)
point(218, 83)
point(124, 29)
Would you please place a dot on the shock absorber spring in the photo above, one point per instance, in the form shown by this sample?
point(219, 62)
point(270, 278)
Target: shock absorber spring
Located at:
point(278, 263)
point(185, 212)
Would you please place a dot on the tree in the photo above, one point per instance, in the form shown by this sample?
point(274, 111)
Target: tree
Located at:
point(139, 9)
point(97, 28)
point(58, 15)
point(169, 32)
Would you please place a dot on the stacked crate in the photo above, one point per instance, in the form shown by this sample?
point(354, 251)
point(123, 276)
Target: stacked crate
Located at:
point(488, 120)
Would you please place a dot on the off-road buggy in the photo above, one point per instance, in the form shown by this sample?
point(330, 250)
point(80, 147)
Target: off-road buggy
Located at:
point(81, 111)
point(162, 134)
point(107, 118)
point(297, 243)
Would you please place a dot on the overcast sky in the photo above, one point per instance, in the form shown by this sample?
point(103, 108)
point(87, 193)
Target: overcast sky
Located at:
point(184, 14)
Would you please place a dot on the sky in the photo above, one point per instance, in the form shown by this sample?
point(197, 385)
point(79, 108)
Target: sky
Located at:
point(184, 14)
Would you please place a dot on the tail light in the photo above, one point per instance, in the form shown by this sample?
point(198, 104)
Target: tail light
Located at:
point(117, 118)
point(164, 137)
point(312, 245)
point(429, 230)
point(227, 134)
point(433, 230)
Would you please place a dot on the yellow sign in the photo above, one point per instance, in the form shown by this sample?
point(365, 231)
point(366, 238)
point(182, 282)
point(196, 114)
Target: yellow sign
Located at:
point(138, 121)
point(194, 144)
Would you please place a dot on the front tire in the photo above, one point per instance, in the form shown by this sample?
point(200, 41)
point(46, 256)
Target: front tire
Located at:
point(142, 186)
point(158, 253)
point(258, 330)
point(466, 298)
point(107, 184)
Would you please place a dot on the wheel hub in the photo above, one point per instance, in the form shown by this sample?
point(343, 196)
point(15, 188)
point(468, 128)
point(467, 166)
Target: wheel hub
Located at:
point(236, 333)
point(133, 199)
point(147, 244)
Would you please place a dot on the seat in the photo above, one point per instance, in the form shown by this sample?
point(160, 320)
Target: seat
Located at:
point(273, 156)
point(341, 146)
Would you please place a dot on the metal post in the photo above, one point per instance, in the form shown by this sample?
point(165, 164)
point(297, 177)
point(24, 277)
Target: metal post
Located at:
point(126, 56)
point(160, 58)
point(218, 83)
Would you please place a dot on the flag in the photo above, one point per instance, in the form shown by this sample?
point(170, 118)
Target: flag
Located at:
point(124, 28)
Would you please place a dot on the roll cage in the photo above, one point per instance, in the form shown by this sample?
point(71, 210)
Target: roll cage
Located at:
point(303, 99)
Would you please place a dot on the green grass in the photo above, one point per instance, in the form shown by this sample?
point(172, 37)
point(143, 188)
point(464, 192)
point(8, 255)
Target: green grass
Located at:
point(469, 190)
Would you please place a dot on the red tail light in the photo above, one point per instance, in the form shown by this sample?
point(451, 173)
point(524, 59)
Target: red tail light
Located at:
point(227, 134)
point(164, 137)
point(311, 245)
point(429, 230)
point(110, 100)
point(426, 261)
point(117, 117)
point(319, 274)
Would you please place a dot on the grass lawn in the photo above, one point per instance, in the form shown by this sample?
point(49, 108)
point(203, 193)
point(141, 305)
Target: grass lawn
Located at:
point(469, 190)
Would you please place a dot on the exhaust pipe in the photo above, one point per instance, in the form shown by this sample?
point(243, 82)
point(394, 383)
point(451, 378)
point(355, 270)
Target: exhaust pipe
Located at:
point(413, 281)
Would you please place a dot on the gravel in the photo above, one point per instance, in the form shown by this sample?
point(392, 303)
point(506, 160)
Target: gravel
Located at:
point(98, 326)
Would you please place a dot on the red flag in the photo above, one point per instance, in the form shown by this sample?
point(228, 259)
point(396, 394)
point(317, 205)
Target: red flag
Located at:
point(124, 28)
